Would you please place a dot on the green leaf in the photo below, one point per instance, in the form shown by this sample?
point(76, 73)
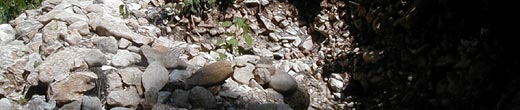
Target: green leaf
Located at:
point(121, 10)
point(227, 23)
point(248, 39)
point(221, 57)
point(233, 42)
point(193, 10)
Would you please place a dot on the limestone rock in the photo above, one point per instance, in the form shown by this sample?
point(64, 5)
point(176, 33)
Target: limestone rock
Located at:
point(6, 33)
point(125, 58)
point(38, 102)
point(73, 87)
point(155, 76)
point(244, 74)
point(107, 25)
point(210, 74)
point(127, 97)
point(106, 44)
point(163, 55)
point(80, 26)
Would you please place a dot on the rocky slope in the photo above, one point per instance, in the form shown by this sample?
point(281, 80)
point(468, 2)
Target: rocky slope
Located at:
point(85, 54)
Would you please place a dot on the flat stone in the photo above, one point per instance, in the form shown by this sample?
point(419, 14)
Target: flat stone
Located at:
point(200, 97)
point(131, 75)
point(107, 25)
point(80, 26)
point(54, 30)
point(7, 104)
point(244, 59)
point(6, 33)
point(91, 103)
point(307, 44)
point(28, 28)
point(210, 74)
point(124, 43)
point(73, 87)
point(61, 15)
point(127, 97)
point(125, 58)
point(166, 57)
point(94, 57)
point(114, 80)
point(244, 74)
point(106, 44)
point(58, 65)
point(155, 76)
point(267, 23)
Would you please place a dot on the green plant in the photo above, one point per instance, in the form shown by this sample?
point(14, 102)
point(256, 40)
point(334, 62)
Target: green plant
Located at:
point(197, 6)
point(123, 10)
point(232, 43)
point(9, 9)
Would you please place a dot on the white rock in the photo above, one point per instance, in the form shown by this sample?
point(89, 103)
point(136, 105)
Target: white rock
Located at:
point(264, 2)
point(155, 77)
point(244, 74)
point(6, 33)
point(307, 44)
point(114, 80)
point(81, 26)
point(108, 25)
point(127, 97)
point(125, 58)
point(198, 61)
point(252, 2)
point(62, 15)
point(53, 30)
point(178, 77)
point(336, 82)
point(7, 104)
point(267, 23)
point(106, 44)
point(124, 43)
point(28, 27)
point(263, 52)
point(244, 59)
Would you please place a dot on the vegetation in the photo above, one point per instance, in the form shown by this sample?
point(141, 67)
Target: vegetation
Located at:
point(232, 43)
point(10, 9)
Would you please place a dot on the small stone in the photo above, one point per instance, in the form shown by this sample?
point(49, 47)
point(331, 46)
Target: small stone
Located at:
point(127, 97)
point(178, 77)
point(262, 52)
point(106, 44)
point(264, 2)
point(107, 25)
point(267, 23)
point(291, 31)
point(54, 30)
point(210, 74)
point(252, 2)
point(244, 59)
point(336, 82)
point(76, 105)
point(198, 61)
point(38, 102)
point(273, 37)
point(73, 87)
point(283, 82)
point(125, 58)
point(284, 23)
point(74, 38)
point(163, 96)
point(94, 57)
point(163, 55)
point(123, 43)
point(200, 97)
point(307, 44)
point(133, 49)
point(35, 59)
point(7, 104)
point(114, 80)
point(180, 98)
point(263, 75)
point(120, 108)
point(285, 66)
point(91, 103)
point(244, 74)
point(132, 76)
point(80, 26)
point(7, 33)
point(279, 18)
point(28, 28)
point(155, 76)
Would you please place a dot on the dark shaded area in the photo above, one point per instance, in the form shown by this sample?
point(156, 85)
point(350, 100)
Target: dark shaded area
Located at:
point(430, 54)
point(40, 89)
point(307, 9)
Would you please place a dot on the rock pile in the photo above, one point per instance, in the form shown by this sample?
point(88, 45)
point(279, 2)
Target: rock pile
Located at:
point(71, 54)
